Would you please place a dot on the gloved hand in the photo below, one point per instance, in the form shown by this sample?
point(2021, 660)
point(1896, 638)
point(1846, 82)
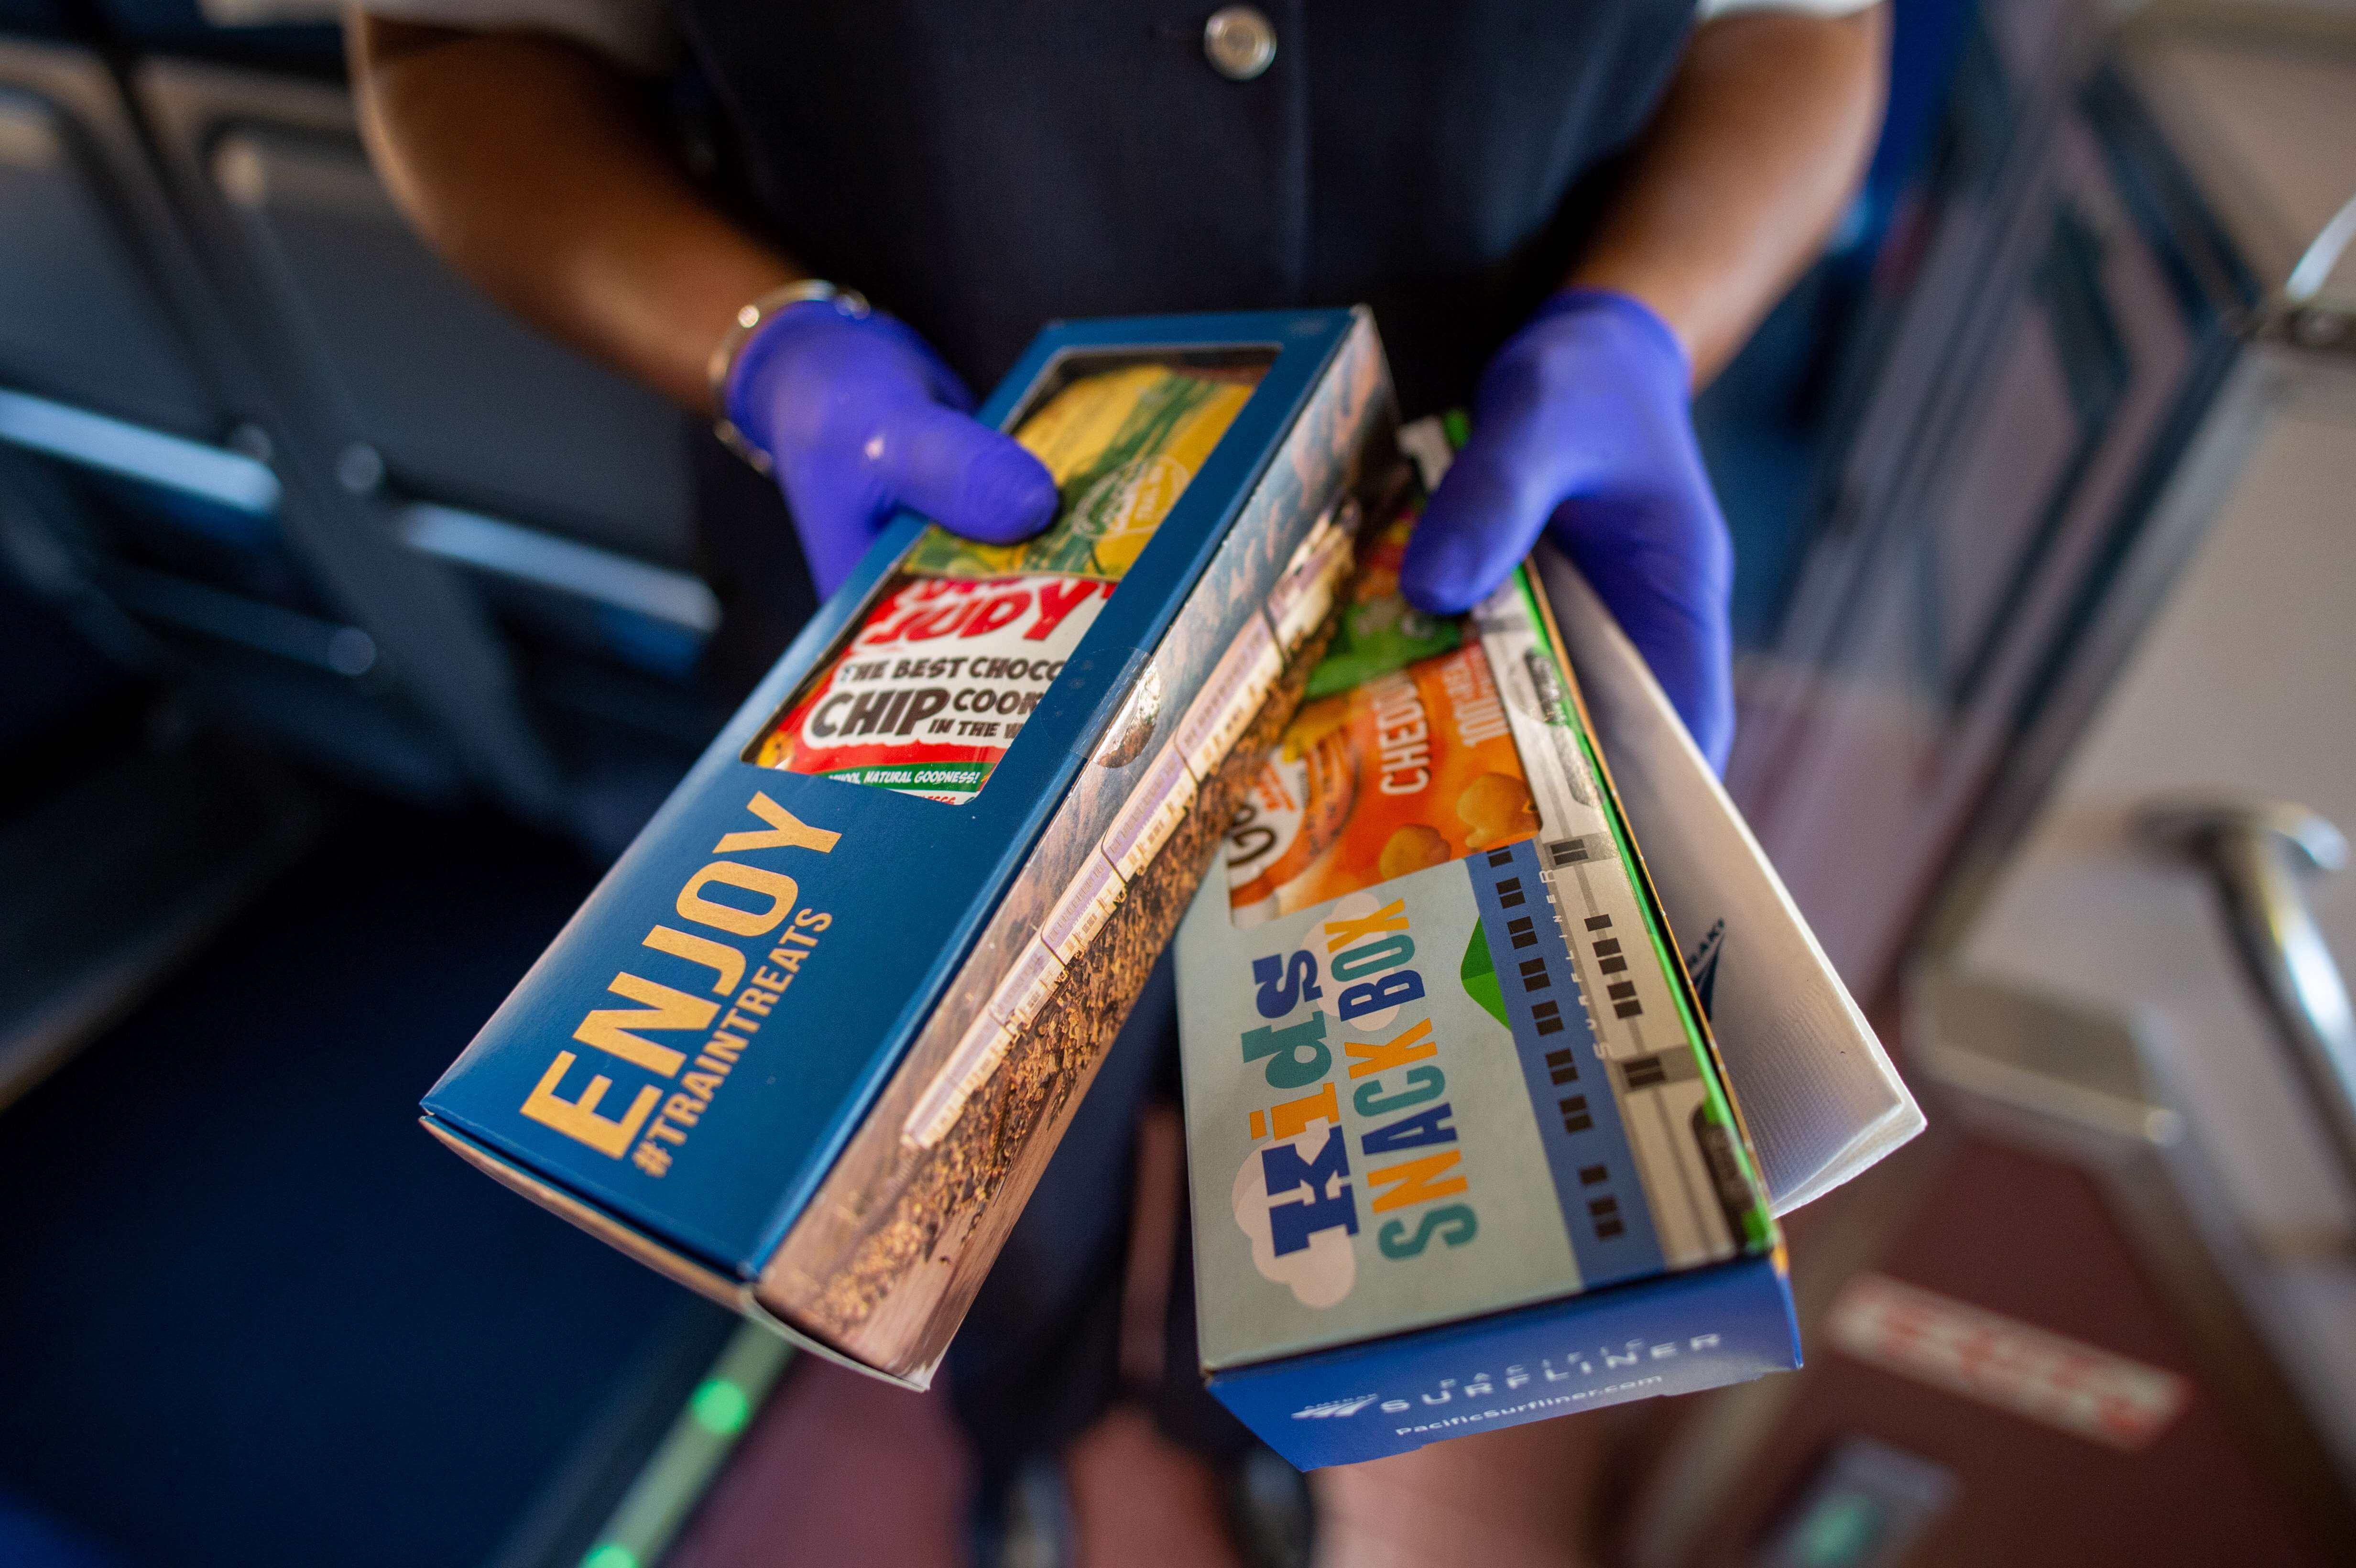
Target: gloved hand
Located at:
point(1582, 426)
point(860, 418)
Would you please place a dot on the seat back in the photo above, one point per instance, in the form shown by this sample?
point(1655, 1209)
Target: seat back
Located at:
point(81, 317)
point(460, 402)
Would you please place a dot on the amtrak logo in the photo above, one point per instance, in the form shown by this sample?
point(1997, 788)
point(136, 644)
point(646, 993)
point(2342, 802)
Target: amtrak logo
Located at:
point(1326, 1412)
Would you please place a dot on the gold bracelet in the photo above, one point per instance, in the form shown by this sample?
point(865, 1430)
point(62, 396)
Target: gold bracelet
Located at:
point(722, 362)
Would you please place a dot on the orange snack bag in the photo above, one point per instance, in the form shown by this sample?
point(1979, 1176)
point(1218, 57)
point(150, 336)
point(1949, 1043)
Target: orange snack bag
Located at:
point(1414, 768)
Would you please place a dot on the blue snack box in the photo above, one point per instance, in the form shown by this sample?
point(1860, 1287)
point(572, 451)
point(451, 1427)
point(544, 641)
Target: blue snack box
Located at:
point(809, 1043)
point(1461, 1150)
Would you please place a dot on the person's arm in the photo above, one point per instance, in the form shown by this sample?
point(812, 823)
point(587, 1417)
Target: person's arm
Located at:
point(1753, 155)
point(1583, 425)
point(533, 166)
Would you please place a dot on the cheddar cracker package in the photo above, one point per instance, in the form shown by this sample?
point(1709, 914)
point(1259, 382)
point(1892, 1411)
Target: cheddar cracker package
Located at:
point(809, 1044)
point(1461, 1151)
point(1415, 768)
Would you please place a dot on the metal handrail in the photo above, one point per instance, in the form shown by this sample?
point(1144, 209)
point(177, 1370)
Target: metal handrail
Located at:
point(2255, 854)
point(2315, 264)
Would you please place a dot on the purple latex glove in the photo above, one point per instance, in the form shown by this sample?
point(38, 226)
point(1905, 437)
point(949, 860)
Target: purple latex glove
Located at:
point(1582, 427)
point(860, 418)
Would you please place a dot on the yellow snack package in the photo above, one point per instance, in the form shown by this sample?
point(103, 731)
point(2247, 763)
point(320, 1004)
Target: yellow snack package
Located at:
point(1122, 446)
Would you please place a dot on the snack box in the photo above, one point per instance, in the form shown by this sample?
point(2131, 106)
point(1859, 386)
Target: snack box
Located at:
point(1461, 1151)
point(810, 1043)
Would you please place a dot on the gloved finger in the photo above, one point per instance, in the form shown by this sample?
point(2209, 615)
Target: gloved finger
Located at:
point(836, 517)
point(968, 479)
point(1482, 520)
point(1666, 569)
point(941, 383)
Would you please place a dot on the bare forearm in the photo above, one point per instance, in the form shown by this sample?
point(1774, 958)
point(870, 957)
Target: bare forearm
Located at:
point(530, 166)
point(1755, 153)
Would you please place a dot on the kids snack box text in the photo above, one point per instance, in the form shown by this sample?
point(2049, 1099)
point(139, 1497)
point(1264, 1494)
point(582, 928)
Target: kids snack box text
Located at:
point(1451, 1108)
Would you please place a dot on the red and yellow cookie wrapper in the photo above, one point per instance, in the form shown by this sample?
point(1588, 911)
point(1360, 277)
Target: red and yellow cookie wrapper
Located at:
point(939, 678)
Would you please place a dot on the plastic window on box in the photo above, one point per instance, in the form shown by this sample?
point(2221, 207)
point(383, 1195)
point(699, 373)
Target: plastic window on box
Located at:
point(935, 679)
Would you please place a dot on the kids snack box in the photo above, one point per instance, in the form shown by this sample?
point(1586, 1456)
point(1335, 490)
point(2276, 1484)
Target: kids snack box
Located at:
point(1461, 1148)
point(810, 1043)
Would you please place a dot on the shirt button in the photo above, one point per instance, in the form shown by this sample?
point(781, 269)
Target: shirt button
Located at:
point(1239, 41)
